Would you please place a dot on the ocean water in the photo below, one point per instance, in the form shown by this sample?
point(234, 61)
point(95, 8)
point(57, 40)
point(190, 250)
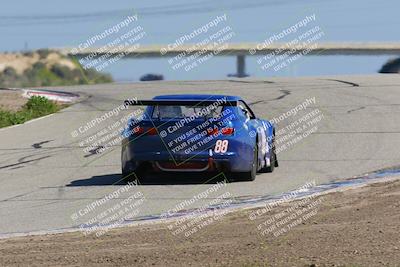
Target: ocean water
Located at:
point(26, 24)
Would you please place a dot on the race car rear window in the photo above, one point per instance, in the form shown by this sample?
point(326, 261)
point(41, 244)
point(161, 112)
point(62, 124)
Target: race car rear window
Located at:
point(177, 112)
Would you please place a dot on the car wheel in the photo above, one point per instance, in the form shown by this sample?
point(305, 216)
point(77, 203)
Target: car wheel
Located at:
point(273, 163)
point(251, 175)
point(128, 176)
point(273, 160)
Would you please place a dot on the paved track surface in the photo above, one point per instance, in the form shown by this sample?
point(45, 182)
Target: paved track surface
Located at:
point(46, 176)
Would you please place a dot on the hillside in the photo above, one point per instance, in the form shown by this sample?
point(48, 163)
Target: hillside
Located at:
point(45, 68)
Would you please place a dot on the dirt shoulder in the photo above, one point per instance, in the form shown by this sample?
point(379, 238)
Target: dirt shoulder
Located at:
point(11, 100)
point(358, 227)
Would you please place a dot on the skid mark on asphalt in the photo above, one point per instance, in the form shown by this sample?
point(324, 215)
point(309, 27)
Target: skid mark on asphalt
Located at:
point(19, 195)
point(18, 167)
point(283, 95)
point(39, 145)
point(345, 82)
point(75, 166)
point(94, 151)
point(356, 109)
point(23, 161)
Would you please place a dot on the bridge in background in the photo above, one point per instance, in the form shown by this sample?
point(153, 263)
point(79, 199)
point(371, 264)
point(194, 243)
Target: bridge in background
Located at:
point(241, 50)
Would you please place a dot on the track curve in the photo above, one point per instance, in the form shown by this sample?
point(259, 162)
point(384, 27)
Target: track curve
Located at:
point(46, 177)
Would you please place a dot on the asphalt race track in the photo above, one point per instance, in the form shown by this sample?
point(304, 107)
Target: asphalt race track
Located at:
point(46, 177)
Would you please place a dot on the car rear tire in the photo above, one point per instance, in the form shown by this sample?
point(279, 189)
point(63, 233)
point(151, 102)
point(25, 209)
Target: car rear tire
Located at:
point(133, 176)
point(273, 163)
point(251, 175)
point(273, 159)
point(128, 176)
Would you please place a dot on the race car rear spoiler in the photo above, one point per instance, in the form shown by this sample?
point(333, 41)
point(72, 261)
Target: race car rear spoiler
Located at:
point(179, 102)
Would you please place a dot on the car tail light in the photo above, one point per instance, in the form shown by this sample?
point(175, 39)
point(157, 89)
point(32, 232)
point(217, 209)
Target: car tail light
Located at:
point(152, 131)
point(147, 131)
point(227, 131)
point(212, 131)
point(138, 130)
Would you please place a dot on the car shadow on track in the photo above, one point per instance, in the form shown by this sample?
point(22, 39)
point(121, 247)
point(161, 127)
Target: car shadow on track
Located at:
point(152, 179)
point(99, 180)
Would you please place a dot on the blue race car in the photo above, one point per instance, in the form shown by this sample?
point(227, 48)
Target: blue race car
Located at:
point(197, 133)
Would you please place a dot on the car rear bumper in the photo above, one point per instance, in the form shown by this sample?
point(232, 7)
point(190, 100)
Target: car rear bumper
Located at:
point(203, 161)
